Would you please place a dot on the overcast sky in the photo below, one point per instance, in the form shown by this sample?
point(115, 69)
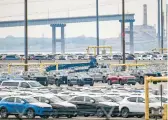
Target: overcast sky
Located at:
point(14, 10)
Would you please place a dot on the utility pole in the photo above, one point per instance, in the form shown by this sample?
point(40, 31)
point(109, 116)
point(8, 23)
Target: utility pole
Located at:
point(97, 26)
point(123, 32)
point(26, 35)
point(159, 25)
point(162, 26)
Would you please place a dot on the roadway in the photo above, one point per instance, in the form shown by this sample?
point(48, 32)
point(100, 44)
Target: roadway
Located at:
point(84, 61)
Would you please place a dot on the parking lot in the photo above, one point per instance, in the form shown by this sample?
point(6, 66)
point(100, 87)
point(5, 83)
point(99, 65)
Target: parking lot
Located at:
point(99, 93)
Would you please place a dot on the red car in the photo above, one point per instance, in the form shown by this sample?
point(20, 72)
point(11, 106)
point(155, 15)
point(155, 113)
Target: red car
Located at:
point(121, 79)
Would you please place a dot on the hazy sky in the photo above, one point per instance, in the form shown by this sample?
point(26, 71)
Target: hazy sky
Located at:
point(14, 10)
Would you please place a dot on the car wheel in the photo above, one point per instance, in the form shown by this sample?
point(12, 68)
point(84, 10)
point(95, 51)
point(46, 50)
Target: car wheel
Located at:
point(45, 117)
point(133, 83)
point(18, 116)
point(139, 116)
point(57, 84)
point(55, 116)
point(86, 115)
point(4, 113)
point(30, 114)
point(69, 116)
point(104, 79)
point(141, 80)
point(99, 113)
point(91, 84)
point(125, 112)
point(120, 82)
point(109, 82)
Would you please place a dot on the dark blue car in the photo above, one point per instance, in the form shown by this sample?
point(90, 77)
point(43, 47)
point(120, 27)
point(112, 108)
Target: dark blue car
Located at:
point(24, 106)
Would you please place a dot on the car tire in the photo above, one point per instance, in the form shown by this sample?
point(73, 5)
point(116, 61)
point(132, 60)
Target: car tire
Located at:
point(99, 113)
point(69, 116)
point(19, 116)
point(57, 83)
point(120, 82)
point(86, 115)
point(55, 116)
point(91, 84)
point(104, 79)
point(30, 114)
point(4, 113)
point(125, 112)
point(109, 82)
point(45, 117)
point(141, 80)
point(139, 116)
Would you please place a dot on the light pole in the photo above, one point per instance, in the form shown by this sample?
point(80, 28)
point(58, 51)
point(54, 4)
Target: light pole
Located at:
point(97, 25)
point(26, 34)
point(123, 32)
point(162, 26)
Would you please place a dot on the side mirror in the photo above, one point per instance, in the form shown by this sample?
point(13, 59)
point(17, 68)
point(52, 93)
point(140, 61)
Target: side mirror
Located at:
point(47, 101)
point(92, 101)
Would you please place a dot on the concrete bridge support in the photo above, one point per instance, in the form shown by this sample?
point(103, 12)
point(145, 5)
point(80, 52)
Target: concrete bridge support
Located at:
point(54, 37)
point(131, 33)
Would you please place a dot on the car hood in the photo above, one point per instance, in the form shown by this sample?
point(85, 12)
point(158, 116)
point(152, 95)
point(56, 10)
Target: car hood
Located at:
point(41, 104)
point(65, 104)
point(109, 103)
point(155, 105)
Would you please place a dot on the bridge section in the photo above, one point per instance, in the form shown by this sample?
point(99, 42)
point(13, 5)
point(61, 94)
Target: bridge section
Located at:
point(61, 22)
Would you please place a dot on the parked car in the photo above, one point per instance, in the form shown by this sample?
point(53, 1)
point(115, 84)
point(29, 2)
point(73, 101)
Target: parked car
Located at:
point(60, 107)
point(135, 106)
point(121, 78)
point(24, 106)
point(11, 57)
point(94, 105)
point(36, 76)
point(22, 84)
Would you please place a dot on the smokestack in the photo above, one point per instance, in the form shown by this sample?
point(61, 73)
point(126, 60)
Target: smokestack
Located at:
point(145, 15)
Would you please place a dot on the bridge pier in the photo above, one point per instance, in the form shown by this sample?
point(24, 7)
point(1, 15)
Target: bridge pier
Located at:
point(54, 38)
point(131, 33)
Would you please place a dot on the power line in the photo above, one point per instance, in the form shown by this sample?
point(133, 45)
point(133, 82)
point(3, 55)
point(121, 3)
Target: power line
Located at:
point(60, 10)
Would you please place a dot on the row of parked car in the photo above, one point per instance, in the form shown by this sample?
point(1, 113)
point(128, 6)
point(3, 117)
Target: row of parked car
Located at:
point(108, 75)
point(114, 101)
point(145, 56)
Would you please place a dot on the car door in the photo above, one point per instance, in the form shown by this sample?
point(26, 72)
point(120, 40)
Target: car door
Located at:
point(90, 105)
point(10, 104)
point(79, 102)
point(132, 104)
point(141, 105)
point(19, 105)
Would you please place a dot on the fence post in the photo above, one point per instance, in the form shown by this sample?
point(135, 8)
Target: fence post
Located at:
point(9, 68)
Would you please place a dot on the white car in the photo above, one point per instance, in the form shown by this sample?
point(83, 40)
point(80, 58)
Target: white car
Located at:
point(135, 106)
point(158, 57)
point(22, 84)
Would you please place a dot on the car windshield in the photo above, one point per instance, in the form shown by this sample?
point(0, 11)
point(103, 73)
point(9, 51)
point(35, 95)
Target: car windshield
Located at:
point(35, 73)
point(153, 100)
point(100, 99)
point(35, 84)
point(55, 99)
point(31, 100)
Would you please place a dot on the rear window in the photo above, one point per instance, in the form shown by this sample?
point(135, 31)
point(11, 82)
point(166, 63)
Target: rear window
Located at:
point(12, 84)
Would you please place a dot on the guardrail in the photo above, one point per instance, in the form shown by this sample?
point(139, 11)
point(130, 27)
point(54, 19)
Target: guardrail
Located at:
point(146, 87)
